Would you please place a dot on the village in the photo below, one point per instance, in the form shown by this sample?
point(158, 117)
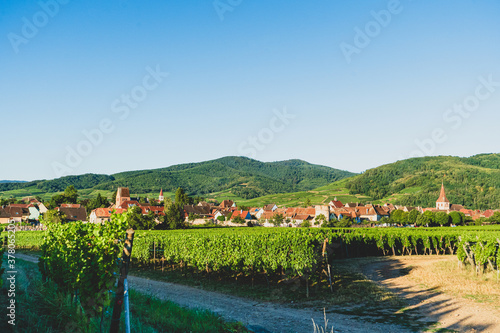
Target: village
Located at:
point(228, 213)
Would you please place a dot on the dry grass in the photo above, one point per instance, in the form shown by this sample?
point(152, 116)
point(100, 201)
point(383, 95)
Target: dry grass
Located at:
point(448, 277)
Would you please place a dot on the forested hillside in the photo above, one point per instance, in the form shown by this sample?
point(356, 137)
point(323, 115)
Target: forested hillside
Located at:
point(473, 182)
point(246, 178)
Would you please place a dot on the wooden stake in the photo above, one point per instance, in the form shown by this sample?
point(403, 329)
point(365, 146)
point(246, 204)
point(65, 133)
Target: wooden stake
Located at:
point(117, 308)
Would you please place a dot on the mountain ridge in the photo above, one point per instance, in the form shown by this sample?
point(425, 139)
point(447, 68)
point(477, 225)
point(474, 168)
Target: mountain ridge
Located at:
point(246, 177)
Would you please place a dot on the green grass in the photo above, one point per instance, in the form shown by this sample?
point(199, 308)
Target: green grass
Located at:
point(42, 308)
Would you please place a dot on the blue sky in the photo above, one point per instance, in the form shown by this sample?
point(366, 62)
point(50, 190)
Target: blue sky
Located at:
point(270, 80)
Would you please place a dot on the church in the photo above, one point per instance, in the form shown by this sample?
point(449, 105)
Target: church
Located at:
point(443, 204)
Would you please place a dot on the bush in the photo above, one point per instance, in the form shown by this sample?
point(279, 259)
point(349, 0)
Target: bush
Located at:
point(238, 219)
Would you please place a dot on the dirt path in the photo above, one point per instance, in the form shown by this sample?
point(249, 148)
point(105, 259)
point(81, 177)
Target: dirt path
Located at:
point(452, 313)
point(259, 317)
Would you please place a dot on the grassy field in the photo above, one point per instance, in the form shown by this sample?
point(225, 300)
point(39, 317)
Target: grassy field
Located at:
point(319, 196)
point(460, 281)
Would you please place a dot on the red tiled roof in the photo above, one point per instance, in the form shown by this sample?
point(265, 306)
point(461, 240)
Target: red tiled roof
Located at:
point(243, 214)
point(226, 204)
point(158, 210)
point(269, 207)
point(20, 205)
point(488, 213)
point(336, 204)
point(468, 212)
point(125, 204)
point(267, 215)
point(123, 192)
point(74, 213)
point(71, 206)
point(106, 212)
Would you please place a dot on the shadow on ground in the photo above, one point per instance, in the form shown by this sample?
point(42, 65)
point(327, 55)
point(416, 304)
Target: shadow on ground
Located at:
point(419, 303)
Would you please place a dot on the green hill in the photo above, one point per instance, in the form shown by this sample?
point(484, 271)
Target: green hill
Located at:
point(244, 177)
point(473, 182)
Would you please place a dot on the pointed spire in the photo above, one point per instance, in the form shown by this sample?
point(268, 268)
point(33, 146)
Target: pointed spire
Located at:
point(442, 195)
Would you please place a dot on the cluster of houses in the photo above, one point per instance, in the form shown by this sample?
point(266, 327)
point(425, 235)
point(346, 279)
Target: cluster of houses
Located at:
point(29, 211)
point(227, 211)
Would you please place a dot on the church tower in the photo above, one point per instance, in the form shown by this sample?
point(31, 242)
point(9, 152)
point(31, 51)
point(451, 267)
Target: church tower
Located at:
point(122, 194)
point(160, 198)
point(442, 202)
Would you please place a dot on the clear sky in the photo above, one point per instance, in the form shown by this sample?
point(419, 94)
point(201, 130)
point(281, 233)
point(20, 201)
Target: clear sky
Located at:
point(109, 86)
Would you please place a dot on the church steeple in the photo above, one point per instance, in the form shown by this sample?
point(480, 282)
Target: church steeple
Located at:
point(442, 202)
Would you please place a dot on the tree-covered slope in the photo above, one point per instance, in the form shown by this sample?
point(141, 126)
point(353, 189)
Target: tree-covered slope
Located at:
point(473, 182)
point(57, 185)
point(246, 177)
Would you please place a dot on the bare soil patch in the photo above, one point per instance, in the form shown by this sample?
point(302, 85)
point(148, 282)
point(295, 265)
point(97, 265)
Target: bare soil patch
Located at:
point(453, 313)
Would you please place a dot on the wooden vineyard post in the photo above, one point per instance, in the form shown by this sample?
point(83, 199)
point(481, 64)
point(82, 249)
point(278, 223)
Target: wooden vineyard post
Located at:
point(325, 255)
point(117, 308)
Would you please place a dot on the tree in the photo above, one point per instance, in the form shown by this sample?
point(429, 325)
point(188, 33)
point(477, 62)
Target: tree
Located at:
point(329, 224)
point(495, 218)
point(456, 218)
point(442, 219)
point(56, 201)
point(305, 224)
point(345, 222)
point(431, 218)
point(98, 202)
point(192, 217)
point(423, 220)
point(277, 220)
point(53, 216)
point(398, 216)
point(174, 215)
point(238, 219)
point(181, 197)
point(308, 202)
point(138, 221)
point(320, 219)
point(71, 194)
point(413, 216)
